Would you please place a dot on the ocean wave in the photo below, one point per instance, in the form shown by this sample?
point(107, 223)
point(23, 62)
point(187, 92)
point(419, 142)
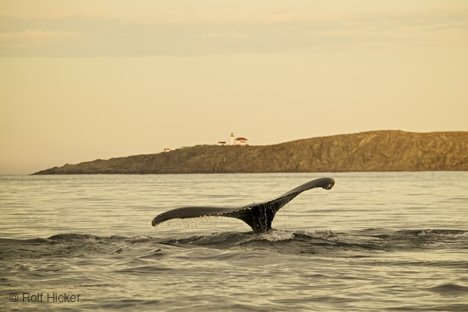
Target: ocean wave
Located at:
point(278, 241)
point(450, 289)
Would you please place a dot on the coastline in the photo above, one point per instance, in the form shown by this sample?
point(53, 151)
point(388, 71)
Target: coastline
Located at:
point(360, 152)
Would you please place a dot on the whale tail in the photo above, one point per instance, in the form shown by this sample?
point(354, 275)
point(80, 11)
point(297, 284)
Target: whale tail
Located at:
point(258, 216)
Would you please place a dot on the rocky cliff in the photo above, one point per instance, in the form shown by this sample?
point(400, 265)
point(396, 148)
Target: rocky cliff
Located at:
point(366, 151)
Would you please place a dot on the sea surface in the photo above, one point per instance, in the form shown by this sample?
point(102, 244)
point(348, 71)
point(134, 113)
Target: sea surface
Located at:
point(375, 242)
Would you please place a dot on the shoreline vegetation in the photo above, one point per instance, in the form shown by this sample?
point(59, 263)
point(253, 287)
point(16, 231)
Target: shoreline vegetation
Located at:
point(390, 150)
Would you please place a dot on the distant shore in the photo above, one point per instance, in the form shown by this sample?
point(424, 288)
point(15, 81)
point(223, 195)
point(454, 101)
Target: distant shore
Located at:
point(366, 151)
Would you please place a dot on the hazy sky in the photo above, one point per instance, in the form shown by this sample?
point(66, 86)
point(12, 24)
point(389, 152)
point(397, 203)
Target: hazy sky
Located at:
point(81, 80)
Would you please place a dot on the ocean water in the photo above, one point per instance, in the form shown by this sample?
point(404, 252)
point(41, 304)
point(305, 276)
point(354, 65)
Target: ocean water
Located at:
point(375, 242)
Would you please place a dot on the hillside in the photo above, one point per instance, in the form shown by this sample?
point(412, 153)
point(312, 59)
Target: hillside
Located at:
point(366, 151)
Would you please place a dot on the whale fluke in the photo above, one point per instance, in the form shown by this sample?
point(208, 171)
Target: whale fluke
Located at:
point(258, 216)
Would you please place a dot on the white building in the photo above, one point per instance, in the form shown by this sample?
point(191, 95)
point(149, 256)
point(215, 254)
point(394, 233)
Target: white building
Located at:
point(241, 141)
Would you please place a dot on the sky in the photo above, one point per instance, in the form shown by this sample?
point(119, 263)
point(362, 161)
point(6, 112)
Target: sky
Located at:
point(84, 80)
